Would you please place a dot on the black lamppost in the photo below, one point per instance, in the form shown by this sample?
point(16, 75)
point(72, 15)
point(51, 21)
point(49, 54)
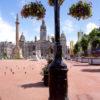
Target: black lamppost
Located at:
point(58, 85)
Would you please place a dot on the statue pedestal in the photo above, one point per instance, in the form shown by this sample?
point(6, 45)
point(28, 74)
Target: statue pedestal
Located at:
point(17, 53)
point(34, 56)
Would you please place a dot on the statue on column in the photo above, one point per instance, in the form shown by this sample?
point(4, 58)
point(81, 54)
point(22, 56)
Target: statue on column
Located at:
point(17, 52)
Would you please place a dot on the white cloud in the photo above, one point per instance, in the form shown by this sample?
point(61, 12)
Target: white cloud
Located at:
point(67, 26)
point(70, 30)
point(49, 31)
point(90, 26)
point(7, 32)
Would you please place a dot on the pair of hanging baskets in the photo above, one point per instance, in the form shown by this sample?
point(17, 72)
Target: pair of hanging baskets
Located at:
point(33, 9)
point(51, 2)
point(81, 10)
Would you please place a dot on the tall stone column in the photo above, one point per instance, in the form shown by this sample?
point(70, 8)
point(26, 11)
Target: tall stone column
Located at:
point(17, 52)
point(17, 31)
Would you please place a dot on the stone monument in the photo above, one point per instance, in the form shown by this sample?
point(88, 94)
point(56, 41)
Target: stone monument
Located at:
point(17, 52)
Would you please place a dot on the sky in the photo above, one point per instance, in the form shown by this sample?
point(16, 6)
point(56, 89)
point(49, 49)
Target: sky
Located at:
point(31, 27)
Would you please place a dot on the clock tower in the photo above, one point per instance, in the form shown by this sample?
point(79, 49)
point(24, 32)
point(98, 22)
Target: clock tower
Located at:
point(43, 31)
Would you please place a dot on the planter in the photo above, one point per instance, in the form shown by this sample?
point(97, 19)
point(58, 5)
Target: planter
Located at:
point(84, 60)
point(78, 59)
point(94, 61)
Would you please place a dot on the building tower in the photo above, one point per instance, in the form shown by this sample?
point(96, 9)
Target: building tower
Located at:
point(71, 48)
point(64, 46)
point(79, 34)
point(22, 44)
point(35, 39)
point(43, 31)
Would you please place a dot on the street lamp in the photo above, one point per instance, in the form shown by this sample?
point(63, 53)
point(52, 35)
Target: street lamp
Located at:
point(58, 85)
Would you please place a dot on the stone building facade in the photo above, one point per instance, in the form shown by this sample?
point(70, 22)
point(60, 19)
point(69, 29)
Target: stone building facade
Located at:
point(6, 49)
point(40, 48)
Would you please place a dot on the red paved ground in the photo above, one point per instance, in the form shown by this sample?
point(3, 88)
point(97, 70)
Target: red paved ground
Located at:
point(21, 80)
point(12, 85)
point(84, 81)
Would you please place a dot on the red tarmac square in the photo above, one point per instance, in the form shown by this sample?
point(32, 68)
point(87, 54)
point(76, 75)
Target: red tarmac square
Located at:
point(84, 81)
point(21, 80)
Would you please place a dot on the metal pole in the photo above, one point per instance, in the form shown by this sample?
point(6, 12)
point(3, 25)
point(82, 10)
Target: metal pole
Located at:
point(57, 20)
point(58, 85)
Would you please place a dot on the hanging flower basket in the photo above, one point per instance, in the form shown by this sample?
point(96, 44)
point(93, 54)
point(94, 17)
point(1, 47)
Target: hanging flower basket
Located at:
point(81, 10)
point(33, 9)
point(51, 2)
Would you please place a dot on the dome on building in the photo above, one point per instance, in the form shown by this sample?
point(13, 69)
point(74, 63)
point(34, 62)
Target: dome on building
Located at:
point(63, 37)
point(22, 38)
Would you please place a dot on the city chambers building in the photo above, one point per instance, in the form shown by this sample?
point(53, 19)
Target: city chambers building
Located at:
point(27, 49)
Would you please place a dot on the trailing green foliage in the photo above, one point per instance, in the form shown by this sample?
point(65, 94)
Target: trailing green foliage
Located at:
point(81, 10)
point(45, 68)
point(33, 9)
point(45, 72)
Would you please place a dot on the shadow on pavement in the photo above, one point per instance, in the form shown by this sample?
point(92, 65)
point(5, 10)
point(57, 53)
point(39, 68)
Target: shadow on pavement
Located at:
point(33, 85)
point(91, 70)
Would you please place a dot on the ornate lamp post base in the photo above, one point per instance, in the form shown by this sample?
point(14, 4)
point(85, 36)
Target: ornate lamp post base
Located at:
point(58, 85)
point(58, 81)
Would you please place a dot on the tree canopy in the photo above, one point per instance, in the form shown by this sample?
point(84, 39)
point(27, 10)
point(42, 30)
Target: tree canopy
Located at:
point(93, 38)
point(84, 43)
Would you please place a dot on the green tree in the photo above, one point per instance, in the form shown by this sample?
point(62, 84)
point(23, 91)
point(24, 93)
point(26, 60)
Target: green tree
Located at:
point(84, 44)
point(95, 43)
point(4, 55)
point(94, 33)
point(94, 38)
point(76, 48)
